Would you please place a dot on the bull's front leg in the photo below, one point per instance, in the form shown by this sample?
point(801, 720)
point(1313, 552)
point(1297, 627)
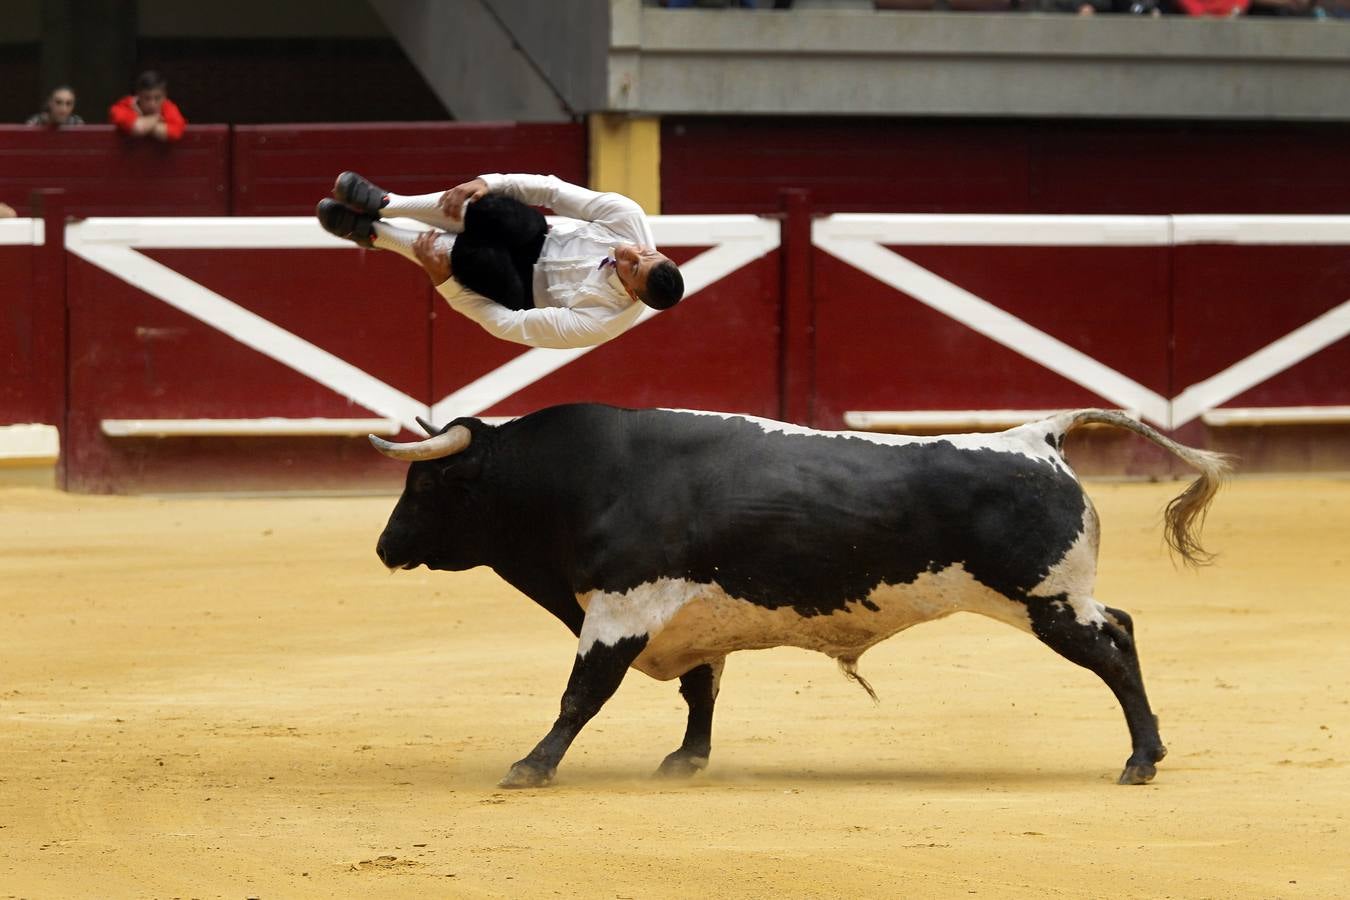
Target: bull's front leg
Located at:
point(596, 675)
point(698, 686)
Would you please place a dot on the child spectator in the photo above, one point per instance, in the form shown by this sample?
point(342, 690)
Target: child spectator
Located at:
point(58, 111)
point(148, 112)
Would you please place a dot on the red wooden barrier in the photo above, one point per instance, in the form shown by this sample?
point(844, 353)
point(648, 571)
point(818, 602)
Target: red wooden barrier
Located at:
point(286, 169)
point(269, 169)
point(1232, 301)
point(22, 366)
point(715, 164)
point(181, 325)
point(718, 349)
point(1261, 327)
point(1015, 318)
point(33, 316)
point(879, 349)
point(106, 174)
point(1185, 320)
point(134, 356)
point(797, 362)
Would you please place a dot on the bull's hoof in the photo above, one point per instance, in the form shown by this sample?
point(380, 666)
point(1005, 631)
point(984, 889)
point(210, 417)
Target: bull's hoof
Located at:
point(524, 775)
point(1137, 774)
point(1140, 768)
point(681, 764)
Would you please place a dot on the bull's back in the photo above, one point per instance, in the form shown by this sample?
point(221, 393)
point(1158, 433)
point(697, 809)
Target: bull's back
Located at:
point(780, 516)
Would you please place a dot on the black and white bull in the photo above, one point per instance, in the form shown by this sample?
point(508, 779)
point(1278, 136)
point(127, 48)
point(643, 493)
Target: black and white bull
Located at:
point(666, 539)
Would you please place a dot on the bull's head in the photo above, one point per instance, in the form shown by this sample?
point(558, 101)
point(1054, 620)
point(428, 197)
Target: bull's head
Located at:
point(435, 522)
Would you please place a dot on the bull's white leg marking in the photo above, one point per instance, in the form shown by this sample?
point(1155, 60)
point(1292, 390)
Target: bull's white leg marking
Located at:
point(1075, 574)
point(688, 623)
point(1025, 440)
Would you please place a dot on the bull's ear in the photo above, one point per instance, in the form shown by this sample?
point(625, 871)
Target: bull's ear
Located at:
point(430, 429)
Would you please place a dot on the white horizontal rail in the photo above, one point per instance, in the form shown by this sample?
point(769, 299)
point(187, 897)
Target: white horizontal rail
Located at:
point(304, 232)
point(1003, 231)
point(198, 232)
point(1277, 415)
point(29, 443)
point(883, 420)
point(1261, 229)
point(703, 231)
point(283, 232)
point(264, 427)
point(22, 232)
point(1081, 231)
point(948, 419)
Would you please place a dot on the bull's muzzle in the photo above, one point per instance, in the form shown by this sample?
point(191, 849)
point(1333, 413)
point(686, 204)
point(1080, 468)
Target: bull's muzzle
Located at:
point(391, 559)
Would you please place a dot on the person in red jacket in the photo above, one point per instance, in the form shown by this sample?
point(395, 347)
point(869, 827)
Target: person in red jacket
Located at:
point(148, 112)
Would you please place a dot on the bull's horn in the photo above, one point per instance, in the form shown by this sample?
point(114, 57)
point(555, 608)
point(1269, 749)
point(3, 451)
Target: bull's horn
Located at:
point(452, 441)
point(430, 429)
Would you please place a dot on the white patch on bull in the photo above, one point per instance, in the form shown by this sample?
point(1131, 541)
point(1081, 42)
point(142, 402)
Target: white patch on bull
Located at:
point(689, 623)
point(644, 609)
point(1025, 440)
point(1075, 574)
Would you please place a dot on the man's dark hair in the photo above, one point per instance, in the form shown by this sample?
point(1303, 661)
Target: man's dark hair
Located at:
point(665, 286)
point(150, 80)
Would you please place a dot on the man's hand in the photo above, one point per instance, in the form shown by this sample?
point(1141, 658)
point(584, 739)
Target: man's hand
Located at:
point(452, 201)
point(144, 125)
point(435, 260)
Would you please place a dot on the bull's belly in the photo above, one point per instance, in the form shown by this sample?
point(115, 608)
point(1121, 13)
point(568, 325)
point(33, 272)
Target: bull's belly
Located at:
point(689, 623)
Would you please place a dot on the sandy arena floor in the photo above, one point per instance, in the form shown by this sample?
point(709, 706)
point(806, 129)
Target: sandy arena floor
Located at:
point(231, 698)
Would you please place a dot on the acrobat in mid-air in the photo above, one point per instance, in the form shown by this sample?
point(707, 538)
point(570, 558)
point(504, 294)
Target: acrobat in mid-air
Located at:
point(581, 281)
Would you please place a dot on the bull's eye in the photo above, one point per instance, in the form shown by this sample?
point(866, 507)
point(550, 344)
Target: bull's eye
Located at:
point(424, 483)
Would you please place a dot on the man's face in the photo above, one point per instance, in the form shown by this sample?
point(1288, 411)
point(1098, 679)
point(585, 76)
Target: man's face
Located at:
point(60, 106)
point(149, 101)
point(634, 263)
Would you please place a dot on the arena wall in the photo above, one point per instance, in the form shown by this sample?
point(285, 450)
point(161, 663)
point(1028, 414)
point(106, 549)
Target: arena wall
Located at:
point(254, 351)
point(220, 170)
point(103, 173)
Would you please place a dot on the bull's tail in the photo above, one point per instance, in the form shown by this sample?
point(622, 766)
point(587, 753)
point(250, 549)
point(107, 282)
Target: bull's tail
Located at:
point(1185, 514)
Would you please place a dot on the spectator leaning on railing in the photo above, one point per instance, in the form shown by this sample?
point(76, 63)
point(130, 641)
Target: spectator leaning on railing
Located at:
point(58, 111)
point(148, 112)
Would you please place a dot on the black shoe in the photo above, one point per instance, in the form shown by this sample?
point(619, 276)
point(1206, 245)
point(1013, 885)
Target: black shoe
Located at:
point(359, 194)
point(343, 222)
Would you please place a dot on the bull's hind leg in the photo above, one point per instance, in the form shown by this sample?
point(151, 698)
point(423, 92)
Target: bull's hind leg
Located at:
point(1107, 648)
point(698, 686)
point(596, 675)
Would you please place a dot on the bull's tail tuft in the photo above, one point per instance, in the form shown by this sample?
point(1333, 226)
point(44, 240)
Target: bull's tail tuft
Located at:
point(849, 666)
point(1185, 514)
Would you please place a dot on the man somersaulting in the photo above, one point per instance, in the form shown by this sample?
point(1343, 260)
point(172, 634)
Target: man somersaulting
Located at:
point(581, 282)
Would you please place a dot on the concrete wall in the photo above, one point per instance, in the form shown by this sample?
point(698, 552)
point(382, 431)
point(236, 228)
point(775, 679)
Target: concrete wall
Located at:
point(475, 64)
point(862, 62)
point(526, 60)
point(545, 61)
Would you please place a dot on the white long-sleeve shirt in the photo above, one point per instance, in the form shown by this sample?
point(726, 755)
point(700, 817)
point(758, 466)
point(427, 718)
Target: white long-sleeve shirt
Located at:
point(578, 302)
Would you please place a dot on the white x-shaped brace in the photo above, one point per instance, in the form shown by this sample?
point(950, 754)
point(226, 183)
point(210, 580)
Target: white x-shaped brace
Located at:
point(113, 245)
point(858, 240)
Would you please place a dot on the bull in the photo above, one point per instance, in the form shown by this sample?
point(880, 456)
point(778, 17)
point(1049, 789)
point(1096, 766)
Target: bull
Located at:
point(666, 539)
